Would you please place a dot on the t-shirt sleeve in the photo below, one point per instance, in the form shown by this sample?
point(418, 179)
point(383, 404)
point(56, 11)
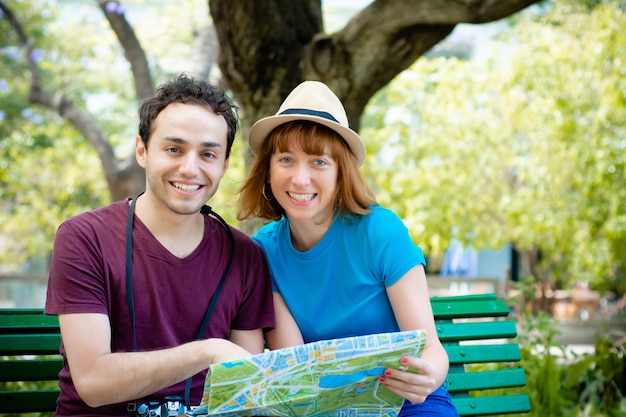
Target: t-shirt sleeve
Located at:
point(75, 283)
point(394, 252)
point(257, 309)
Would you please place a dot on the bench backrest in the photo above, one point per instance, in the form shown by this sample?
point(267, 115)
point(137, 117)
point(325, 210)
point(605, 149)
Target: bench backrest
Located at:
point(31, 342)
point(473, 329)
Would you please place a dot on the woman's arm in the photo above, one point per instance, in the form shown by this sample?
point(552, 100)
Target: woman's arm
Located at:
point(411, 305)
point(250, 340)
point(286, 333)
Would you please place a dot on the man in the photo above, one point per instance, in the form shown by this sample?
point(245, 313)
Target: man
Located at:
point(136, 335)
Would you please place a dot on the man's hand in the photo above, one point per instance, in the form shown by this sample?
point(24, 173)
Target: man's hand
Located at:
point(222, 350)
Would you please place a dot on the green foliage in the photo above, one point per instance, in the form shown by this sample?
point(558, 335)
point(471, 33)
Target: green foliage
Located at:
point(55, 181)
point(526, 146)
point(601, 379)
point(560, 383)
point(548, 396)
point(48, 171)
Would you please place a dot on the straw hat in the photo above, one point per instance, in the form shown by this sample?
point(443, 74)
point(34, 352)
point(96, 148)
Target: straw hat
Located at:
point(313, 101)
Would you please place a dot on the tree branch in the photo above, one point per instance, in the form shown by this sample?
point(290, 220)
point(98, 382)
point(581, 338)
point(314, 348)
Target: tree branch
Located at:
point(59, 102)
point(204, 50)
point(134, 53)
point(385, 38)
point(268, 47)
point(114, 169)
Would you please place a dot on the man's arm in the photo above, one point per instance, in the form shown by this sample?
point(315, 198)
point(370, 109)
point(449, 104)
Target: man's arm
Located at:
point(102, 377)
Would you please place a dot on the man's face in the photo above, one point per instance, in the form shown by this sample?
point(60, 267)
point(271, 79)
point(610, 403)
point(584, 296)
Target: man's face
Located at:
point(186, 157)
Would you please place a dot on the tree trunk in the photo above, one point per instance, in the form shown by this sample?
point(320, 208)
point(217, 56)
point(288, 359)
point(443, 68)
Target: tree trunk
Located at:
point(268, 47)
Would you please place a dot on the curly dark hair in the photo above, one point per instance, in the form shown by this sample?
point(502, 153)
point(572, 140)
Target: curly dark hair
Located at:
point(186, 89)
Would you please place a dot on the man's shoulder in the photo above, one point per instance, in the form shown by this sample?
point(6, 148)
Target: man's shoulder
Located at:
point(240, 235)
point(104, 215)
point(241, 238)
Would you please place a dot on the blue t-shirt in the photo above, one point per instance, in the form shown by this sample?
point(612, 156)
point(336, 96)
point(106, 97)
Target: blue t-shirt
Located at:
point(337, 288)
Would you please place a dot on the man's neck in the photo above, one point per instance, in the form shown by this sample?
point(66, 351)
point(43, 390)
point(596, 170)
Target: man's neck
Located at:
point(180, 234)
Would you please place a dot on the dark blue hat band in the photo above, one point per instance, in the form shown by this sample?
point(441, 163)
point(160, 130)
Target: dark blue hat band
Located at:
point(307, 112)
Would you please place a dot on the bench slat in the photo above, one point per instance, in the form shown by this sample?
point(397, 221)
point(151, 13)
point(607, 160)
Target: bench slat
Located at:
point(32, 344)
point(469, 381)
point(24, 323)
point(483, 353)
point(30, 369)
point(29, 401)
point(484, 406)
point(455, 332)
point(472, 308)
point(14, 311)
point(464, 297)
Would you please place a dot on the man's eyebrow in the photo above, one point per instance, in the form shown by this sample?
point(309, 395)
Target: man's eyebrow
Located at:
point(211, 145)
point(175, 139)
point(181, 141)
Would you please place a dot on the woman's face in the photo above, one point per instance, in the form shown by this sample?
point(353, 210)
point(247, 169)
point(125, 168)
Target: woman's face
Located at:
point(304, 185)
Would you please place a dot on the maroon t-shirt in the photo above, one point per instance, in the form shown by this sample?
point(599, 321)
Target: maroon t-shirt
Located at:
point(170, 294)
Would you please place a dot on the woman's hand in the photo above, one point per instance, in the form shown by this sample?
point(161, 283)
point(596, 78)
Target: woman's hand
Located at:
point(415, 383)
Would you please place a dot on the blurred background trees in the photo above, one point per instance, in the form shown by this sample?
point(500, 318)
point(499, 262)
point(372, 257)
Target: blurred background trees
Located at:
point(522, 144)
point(527, 146)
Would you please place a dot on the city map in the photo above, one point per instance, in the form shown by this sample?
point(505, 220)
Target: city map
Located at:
point(330, 378)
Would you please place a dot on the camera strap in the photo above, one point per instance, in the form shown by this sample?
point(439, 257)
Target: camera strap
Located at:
point(129, 279)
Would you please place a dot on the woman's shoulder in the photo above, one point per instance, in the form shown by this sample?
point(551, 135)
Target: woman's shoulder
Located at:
point(380, 215)
point(380, 223)
point(270, 231)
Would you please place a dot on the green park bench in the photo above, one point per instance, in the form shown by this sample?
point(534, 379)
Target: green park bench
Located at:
point(473, 329)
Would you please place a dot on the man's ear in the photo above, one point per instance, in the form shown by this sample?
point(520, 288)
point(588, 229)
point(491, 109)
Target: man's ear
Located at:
point(225, 167)
point(140, 151)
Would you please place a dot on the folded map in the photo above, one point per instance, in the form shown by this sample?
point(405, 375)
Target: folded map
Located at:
point(335, 378)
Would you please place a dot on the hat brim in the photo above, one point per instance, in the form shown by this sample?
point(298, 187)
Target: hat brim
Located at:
point(264, 126)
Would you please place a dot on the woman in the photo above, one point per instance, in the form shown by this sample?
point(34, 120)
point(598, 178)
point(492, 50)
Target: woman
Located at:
point(341, 264)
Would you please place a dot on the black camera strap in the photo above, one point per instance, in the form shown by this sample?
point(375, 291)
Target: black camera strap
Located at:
point(129, 279)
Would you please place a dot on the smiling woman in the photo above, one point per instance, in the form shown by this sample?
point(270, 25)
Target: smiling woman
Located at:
point(341, 264)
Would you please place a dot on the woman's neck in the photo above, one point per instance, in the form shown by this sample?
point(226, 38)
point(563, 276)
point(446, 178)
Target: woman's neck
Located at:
point(305, 234)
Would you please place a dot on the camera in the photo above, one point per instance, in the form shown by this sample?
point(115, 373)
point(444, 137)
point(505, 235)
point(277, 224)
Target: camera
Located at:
point(173, 406)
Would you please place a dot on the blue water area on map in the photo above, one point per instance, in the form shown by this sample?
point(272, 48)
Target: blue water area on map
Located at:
point(335, 381)
point(232, 364)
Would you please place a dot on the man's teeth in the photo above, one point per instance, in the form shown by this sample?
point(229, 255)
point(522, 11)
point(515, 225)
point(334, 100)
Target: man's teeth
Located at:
point(186, 187)
point(301, 197)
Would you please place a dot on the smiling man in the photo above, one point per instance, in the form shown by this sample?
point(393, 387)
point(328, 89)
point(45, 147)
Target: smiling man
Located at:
point(151, 290)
